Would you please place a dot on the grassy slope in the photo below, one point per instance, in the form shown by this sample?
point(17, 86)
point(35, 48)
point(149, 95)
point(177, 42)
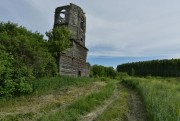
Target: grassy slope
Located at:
point(161, 96)
point(48, 93)
point(83, 105)
point(83, 95)
point(48, 85)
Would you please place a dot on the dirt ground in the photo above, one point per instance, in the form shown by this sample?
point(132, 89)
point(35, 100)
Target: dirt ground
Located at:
point(137, 108)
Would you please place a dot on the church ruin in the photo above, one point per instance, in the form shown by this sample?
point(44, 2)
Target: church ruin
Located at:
point(72, 62)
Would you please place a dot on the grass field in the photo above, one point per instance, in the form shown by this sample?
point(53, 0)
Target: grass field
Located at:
point(161, 96)
point(100, 99)
point(49, 94)
point(83, 105)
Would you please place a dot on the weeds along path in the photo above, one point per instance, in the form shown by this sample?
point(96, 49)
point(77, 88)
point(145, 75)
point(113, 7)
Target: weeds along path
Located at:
point(37, 106)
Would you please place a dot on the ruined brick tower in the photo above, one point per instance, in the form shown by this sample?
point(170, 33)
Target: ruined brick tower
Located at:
point(73, 60)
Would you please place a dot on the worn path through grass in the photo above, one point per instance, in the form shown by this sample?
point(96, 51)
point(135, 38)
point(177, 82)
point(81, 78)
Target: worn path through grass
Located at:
point(124, 105)
point(137, 109)
point(99, 110)
point(32, 108)
point(96, 101)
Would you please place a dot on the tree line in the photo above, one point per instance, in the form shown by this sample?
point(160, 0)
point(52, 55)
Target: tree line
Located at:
point(102, 71)
point(26, 55)
point(164, 68)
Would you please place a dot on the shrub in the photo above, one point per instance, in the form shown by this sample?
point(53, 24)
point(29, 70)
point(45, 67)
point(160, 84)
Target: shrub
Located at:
point(23, 56)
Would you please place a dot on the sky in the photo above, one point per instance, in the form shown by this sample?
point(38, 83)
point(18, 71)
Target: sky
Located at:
point(118, 31)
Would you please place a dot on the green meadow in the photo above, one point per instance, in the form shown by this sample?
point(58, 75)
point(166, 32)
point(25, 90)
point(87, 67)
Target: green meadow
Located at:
point(161, 96)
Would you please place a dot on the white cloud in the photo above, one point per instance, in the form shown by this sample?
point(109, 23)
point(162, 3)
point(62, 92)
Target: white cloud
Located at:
point(114, 28)
point(146, 31)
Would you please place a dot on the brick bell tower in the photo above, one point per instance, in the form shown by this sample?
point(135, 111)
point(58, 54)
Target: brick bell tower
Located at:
point(73, 60)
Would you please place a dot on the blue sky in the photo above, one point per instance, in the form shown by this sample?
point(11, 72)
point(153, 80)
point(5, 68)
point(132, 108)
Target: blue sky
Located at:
point(114, 61)
point(118, 31)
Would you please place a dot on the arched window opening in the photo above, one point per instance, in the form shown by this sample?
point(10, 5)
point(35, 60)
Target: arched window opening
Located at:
point(62, 15)
point(82, 23)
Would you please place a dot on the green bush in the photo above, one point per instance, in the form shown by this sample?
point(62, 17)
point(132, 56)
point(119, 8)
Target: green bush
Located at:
point(24, 56)
point(101, 71)
point(13, 81)
point(7, 88)
point(24, 87)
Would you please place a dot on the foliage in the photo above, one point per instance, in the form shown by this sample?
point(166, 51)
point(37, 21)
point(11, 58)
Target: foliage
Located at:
point(121, 75)
point(47, 84)
point(101, 71)
point(23, 57)
point(59, 40)
point(13, 81)
point(161, 96)
point(164, 68)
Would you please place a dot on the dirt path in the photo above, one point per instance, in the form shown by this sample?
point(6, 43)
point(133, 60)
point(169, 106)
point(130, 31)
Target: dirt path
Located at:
point(137, 108)
point(99, 110)
point(34, 107)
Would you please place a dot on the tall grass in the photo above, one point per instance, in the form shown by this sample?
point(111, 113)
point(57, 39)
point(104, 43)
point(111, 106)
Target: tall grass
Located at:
point(47, 84)
point(161, 96)
point(82, 106)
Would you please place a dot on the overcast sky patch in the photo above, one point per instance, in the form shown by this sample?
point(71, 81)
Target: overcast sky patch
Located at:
point(141, 28)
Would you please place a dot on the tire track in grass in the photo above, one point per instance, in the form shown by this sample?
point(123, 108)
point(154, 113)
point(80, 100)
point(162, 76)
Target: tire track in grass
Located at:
point(82, 106)
point(119, 108)
point(91, 116)
point(137, 108)
point(124, 105)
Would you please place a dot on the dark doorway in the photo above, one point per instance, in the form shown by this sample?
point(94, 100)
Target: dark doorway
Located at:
point(79, 73)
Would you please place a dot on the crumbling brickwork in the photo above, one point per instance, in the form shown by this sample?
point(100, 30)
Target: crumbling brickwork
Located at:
point(72, 62)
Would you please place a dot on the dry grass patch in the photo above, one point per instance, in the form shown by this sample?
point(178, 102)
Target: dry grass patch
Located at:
point(33, 107)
